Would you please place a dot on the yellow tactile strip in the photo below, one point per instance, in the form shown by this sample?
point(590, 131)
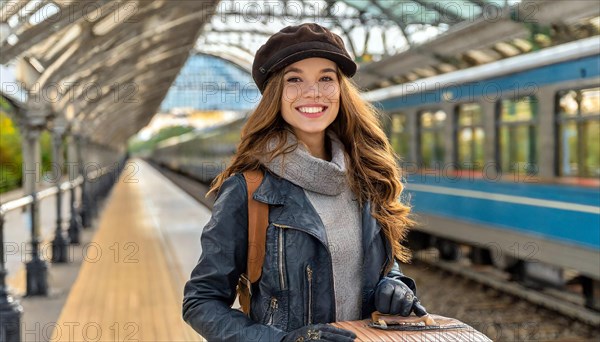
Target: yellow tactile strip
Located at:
point(17, 282)
point(124, 291)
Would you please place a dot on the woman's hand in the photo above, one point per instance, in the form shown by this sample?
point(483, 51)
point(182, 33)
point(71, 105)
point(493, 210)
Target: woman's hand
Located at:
point(394, 297)
point(320, 332)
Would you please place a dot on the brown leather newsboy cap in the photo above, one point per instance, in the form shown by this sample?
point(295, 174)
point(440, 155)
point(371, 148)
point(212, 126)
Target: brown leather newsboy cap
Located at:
point(295, 43)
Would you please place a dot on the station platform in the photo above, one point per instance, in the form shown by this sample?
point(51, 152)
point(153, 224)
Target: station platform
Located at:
point(134, 266)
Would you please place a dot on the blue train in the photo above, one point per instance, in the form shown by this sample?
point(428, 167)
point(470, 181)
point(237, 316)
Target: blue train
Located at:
point(501, 162)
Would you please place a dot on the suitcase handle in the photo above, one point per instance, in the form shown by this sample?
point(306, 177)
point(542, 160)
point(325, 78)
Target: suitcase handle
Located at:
point(383, 320)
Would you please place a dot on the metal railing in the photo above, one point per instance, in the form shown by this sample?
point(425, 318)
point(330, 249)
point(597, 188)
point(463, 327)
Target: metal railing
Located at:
point(94, 189)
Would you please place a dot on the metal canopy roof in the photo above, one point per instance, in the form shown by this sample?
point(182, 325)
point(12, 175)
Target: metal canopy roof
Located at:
point(104, 66)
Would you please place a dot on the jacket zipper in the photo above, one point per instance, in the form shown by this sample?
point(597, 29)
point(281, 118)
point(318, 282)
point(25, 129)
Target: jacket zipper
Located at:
point(330, 262)
point(281, 260)
point(272, 309)
point(309, 273)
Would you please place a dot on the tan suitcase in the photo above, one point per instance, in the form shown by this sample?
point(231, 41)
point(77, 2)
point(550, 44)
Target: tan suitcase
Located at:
point(392, 328)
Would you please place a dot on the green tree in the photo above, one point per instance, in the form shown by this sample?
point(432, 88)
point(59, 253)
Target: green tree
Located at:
point(11, 157)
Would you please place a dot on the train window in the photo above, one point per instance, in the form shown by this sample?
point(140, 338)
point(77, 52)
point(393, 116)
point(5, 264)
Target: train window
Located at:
point(516, 135)
point(431, 124)
point(469, 136)
point(399, 137)
point(578, 122)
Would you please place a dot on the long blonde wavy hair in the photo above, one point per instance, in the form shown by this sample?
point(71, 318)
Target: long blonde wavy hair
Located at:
point(373, 169)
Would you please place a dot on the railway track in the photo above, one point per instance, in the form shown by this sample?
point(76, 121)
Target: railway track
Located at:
point(490, 277)
point(476, 295)
point(503, 310)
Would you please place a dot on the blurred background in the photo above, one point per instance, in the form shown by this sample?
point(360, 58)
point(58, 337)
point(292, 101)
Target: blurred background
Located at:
point(115, 116)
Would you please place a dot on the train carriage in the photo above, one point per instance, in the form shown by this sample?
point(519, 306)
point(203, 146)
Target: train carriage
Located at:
point(505, 158)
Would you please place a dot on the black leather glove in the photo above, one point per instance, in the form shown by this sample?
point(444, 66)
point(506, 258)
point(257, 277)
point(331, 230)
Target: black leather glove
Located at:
point(394, 297)
point(319, 332)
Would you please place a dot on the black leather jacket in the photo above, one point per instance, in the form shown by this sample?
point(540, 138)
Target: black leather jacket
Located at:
point(296, 286)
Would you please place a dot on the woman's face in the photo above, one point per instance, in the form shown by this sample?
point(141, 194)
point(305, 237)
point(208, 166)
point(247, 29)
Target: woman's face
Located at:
point(311, 96)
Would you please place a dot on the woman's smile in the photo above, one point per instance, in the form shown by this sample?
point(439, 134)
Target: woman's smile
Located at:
point(312, 111)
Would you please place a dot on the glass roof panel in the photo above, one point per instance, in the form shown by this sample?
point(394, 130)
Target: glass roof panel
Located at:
point(210, 83)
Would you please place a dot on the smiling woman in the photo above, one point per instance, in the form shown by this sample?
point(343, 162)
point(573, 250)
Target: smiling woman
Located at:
point(331, 183)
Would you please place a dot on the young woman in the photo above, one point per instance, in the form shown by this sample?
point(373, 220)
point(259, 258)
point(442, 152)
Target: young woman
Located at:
point(332, 185)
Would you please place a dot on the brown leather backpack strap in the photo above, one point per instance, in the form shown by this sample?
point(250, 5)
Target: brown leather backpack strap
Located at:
point(258, 221)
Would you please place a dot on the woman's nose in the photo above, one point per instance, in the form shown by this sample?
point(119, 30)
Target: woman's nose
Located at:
point(311, 90)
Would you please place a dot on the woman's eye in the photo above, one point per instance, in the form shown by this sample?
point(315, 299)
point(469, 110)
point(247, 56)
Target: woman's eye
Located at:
point(326, 78)
point(293, 79)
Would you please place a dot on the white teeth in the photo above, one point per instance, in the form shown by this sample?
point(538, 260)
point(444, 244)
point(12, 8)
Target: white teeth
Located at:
point(310, 109)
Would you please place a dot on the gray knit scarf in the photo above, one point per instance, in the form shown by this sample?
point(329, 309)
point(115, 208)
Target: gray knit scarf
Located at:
point(313, 174)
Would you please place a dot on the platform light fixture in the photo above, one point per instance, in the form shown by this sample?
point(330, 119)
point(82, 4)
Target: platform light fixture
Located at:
point(479, 57)
point(44, 13)
point(12, 39)
point(595, 22)
point(522, 44)
point(411, 76)
point(36, 64)
point(446, 67)
point(425, 72)
point(506, 49)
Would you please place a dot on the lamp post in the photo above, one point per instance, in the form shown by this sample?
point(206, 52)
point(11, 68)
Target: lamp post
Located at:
point(10, 309)
point(35, 120)
point(86, 206)
point(60, 243)
point(75, 225)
